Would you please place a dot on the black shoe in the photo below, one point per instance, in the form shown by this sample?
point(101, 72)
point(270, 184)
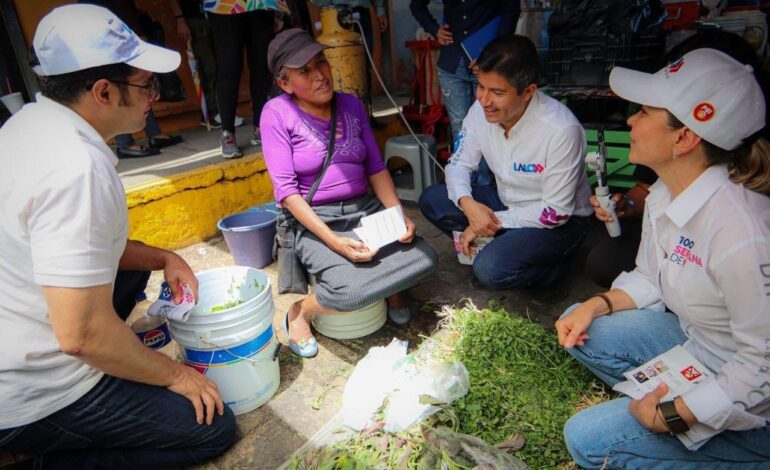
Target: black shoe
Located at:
point(161, 142)
point(137, 153)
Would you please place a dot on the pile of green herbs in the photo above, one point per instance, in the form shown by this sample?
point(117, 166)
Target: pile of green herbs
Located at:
point(522, 384)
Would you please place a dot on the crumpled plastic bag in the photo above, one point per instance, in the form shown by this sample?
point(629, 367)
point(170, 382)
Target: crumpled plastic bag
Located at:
point(413, 383)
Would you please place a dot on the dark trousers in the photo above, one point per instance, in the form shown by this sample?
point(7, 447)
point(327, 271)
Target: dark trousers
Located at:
point(122, 425)
point(612, 256)
point(127, 285)
point(232, 34)
point(519, 257)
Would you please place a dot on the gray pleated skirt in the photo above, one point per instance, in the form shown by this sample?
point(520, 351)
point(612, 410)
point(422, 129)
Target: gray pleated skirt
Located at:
point(345, 286)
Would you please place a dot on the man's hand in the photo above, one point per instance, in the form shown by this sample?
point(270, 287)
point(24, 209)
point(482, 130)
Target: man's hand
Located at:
point(382, 21)
point(467, 238)
point(645, 410)
point(444, 36)
point(201, 391)
point(473, 67)
point(482, 220)
point(353, 250)
point(176, 271)
point(410, 229)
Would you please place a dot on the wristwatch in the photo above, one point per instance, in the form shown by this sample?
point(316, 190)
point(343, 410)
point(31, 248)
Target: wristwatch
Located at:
point(674, 422)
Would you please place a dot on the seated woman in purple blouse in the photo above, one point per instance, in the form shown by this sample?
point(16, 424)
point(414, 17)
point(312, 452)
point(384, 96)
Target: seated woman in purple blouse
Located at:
point(295, 136)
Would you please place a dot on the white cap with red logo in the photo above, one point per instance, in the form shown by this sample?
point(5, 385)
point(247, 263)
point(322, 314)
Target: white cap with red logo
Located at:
point(707, 90)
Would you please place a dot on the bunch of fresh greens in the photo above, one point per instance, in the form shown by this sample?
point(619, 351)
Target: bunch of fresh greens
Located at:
point(523, 387)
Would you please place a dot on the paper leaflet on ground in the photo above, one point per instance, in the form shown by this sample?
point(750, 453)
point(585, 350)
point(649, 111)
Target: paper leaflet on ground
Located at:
point(166, 308)
point(382, 228)
point(678, 369)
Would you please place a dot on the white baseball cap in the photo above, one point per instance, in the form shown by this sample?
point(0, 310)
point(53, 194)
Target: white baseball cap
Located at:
point(707, 90)
point(78, 37)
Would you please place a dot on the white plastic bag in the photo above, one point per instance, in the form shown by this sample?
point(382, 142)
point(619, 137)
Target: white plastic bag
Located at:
point(370, 383)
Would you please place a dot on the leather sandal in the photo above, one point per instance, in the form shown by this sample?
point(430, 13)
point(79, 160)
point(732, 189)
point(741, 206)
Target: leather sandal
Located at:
point(306, 348)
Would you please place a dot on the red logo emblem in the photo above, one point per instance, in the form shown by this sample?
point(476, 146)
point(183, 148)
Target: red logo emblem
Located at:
point(676, 65)
point(154, 338)
point(703, 112)
point(690, 373)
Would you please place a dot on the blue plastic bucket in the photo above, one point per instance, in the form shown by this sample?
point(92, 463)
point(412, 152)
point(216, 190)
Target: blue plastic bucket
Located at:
point(249, 236)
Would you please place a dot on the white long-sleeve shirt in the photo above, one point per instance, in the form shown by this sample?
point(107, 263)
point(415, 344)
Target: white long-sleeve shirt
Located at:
point(539, 167)
point(706, 256)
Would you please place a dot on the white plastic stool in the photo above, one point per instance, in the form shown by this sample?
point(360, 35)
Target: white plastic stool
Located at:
point(423, 171)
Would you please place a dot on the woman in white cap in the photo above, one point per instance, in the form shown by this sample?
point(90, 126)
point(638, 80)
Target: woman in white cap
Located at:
point(323, 185)
point(702, 281)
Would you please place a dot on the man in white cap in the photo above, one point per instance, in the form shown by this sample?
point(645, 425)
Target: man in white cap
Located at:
point(78, 387)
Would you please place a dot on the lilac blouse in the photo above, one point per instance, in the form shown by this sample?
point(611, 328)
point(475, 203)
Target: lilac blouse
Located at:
point(294, 144)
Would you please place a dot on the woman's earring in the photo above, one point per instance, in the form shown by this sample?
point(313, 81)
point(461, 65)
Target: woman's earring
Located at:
point(675, 155)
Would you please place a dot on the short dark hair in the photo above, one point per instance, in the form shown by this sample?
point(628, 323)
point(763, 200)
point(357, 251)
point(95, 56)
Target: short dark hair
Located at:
point(67, 88)
point(514, 57)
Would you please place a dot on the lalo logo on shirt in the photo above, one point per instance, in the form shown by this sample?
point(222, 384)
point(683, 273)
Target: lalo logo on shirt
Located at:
point(528, 167)
point(683, 253)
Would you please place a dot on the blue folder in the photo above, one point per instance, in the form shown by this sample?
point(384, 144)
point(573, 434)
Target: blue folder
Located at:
point(474, 43)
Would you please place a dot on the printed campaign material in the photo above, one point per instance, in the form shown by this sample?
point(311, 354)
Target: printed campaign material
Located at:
point(382, 228)
point(678, 369)
point(477, 245)
point(165, 307)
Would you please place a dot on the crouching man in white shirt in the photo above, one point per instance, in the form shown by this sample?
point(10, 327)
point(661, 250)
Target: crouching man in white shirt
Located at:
point(78, 388)
point(535, 147)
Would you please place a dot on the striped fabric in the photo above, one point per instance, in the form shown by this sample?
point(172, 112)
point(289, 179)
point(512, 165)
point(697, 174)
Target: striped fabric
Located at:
point(345, 286)
point(234, 7)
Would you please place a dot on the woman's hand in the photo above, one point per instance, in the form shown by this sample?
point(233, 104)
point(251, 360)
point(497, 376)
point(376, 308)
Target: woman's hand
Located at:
point(602, 214)
point(409, 235)
point(572, 329)
point(353, 250)
point(645, 410)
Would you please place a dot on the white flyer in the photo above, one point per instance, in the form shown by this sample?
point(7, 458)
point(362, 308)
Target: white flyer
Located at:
point(382, 228)
point(166, 308)
point(678, 369)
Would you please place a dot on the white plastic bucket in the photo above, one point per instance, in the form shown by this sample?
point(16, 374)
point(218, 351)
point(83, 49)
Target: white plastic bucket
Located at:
point(235, 346)
point(351, 325)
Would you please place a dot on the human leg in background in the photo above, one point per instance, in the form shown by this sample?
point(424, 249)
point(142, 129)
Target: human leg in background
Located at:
point(202, 44)
point(529, 257)
point(229, 32)
point(458, 89)
point(607, 434)
point(122, 424)
point(259, 33)
point(128, 284)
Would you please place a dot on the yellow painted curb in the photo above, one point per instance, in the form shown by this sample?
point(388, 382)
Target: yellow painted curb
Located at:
point(182, 209)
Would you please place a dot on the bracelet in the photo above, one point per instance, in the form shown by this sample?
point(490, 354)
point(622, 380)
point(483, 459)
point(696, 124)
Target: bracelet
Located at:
point(671, 417)
point(606, 300)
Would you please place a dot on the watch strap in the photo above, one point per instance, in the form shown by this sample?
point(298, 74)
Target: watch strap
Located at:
point(673, 420)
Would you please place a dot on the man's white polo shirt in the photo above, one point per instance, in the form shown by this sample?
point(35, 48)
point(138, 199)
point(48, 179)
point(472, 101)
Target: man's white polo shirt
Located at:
point(63, 223)
point(539, 167)
point(706, 256)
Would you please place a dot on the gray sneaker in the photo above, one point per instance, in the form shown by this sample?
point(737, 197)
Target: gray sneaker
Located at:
point(256, 138)
point(228, 147)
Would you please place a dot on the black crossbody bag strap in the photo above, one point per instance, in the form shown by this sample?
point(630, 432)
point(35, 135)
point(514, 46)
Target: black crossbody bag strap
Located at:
point(329, 153)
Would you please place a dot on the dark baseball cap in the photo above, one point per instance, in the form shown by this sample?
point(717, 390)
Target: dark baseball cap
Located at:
point(291, 48)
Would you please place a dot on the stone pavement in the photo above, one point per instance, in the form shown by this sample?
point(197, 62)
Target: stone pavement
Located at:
point(311, 389)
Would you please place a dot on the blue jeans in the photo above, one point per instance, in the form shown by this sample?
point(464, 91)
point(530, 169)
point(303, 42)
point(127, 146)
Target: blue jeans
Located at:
point(607, 434)
point(151, 128)
point(122, 424)
point(520, 257)
point(459, 91)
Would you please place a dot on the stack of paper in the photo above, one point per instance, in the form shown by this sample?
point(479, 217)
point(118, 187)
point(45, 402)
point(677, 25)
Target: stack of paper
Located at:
point(382, 228)
point(678, 369)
